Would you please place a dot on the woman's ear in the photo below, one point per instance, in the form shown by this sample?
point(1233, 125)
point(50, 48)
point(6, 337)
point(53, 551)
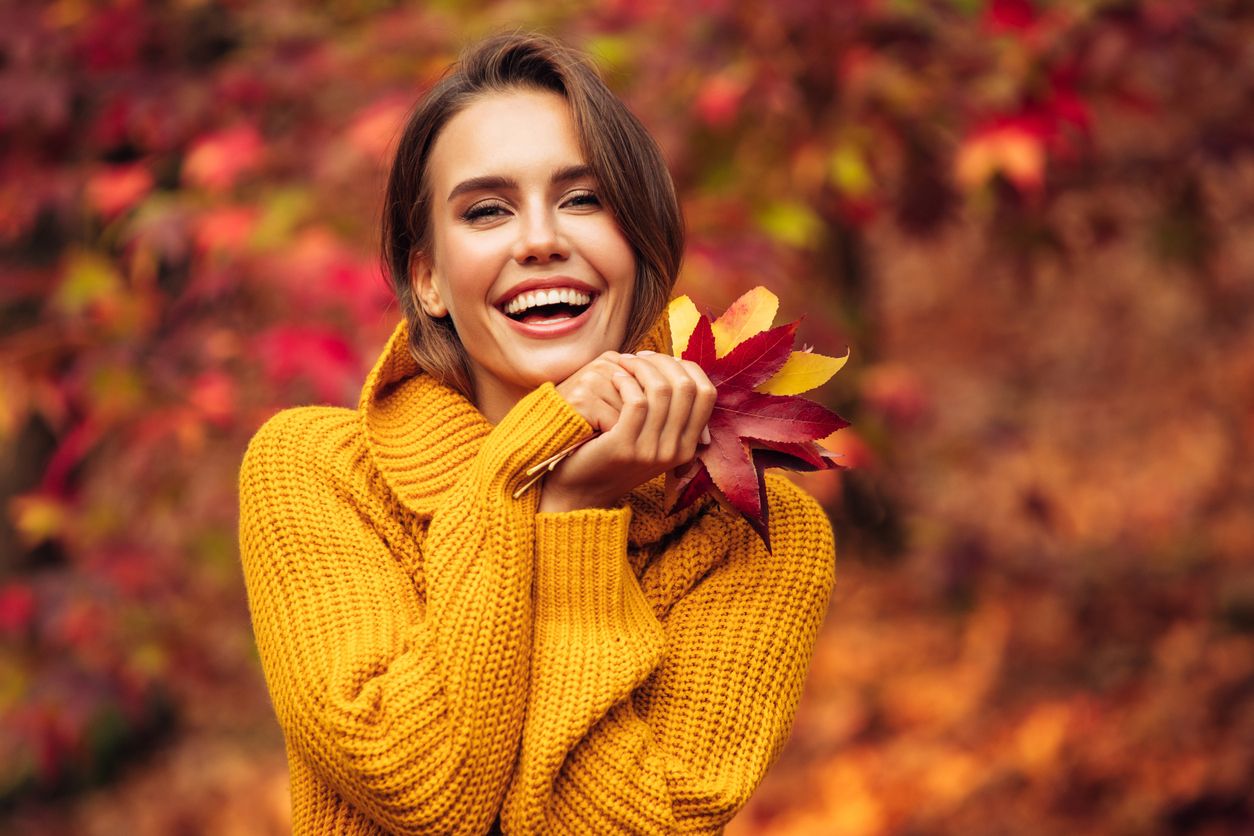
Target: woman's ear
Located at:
point(422, 280)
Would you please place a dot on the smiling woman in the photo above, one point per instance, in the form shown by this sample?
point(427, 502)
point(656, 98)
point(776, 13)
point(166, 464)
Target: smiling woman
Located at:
point(450, 651)
point(530, 230)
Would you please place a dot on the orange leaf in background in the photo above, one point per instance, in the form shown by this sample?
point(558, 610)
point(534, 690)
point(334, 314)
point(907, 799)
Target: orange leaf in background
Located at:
point(225, 229)
point(114, 189)
point(216, 162)
point(38, 517)
point(376, 128)
point(850, 447)
point(1012, 149)
point(214, 395)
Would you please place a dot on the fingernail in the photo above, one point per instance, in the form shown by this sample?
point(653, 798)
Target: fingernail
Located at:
point(646, 351)
point(705, 435)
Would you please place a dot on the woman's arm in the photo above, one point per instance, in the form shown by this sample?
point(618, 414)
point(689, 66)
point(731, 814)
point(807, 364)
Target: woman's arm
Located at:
point(411, 710)
point(646, 726)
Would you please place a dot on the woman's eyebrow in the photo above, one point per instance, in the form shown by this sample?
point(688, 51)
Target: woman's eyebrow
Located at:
point(564, 174)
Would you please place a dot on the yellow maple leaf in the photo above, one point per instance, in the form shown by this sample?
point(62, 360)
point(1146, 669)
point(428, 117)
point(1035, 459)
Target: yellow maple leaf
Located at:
point(683, 316)
point(803, 371)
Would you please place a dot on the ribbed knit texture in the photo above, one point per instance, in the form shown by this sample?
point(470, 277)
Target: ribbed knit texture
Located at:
point(443, 659)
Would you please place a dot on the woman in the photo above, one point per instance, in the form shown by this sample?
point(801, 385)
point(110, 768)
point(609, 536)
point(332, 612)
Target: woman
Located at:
point(446, 653)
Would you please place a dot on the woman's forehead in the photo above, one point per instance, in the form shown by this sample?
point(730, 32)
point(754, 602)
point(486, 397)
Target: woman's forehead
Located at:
point(520, 135)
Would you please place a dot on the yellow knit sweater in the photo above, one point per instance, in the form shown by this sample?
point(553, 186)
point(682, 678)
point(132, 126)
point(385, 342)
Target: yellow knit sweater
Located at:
point(444, 659)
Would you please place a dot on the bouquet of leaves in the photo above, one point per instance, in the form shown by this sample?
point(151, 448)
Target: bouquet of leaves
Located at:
point(758, 422)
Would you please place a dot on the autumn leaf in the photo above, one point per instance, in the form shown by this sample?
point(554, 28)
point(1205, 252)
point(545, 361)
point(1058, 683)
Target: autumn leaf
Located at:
point(803, 371)
point(756, 359)
point(752, 313)
point(683, 316)
point(757, 421)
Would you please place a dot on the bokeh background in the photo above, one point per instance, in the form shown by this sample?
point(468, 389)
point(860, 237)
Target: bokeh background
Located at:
point(1032, 222)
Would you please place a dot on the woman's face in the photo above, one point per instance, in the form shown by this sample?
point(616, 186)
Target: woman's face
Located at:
point(527, 260)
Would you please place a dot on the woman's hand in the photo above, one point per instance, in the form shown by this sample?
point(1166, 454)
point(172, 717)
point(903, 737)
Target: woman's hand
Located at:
point(652, 410)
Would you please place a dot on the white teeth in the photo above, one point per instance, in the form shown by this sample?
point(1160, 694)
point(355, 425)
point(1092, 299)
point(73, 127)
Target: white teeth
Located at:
point(554, 296)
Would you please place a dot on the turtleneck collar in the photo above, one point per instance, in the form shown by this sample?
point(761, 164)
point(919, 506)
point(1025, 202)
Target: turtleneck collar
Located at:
point(422, 434)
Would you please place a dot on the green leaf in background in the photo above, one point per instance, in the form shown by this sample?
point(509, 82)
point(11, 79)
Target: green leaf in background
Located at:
point(282, 212)
point(89, 279)
point(794, 224)
point(847, 169)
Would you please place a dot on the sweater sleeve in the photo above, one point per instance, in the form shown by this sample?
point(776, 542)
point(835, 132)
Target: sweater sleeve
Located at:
point(411, 709)
point(655, 727)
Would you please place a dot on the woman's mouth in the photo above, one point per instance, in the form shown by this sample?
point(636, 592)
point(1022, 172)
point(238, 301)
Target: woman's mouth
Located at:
point(547, 306)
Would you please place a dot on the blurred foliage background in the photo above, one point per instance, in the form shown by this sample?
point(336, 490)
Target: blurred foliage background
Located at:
point(1032, 221)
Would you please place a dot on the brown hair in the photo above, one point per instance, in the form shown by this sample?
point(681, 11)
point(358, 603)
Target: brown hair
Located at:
point(632, 178)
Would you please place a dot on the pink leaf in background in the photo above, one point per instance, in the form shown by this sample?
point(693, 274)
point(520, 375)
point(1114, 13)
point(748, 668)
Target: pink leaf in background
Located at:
point(321, 357)
point(217, 161)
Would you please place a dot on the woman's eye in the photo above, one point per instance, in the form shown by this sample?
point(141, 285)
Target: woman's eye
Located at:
point(483, 210)
point(583, 199)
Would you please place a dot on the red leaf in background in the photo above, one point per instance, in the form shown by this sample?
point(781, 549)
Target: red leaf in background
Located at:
point(17, 608)
point(719, 99)
point(321, 357)
point(114, 189)
point(1010, 15)
point(756, 359)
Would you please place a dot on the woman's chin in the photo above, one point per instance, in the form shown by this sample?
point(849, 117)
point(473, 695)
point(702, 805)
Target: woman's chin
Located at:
point(557, 368)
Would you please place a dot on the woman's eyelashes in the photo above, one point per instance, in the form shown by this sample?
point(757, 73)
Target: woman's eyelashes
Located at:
point(484, 210)
point(495, 208)
point(584, 199)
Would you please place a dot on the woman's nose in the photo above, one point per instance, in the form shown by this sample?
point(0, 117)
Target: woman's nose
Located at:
point(540, 240)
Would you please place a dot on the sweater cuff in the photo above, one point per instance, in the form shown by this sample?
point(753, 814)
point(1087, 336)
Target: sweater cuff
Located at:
point(584, 586)
point(541, 424)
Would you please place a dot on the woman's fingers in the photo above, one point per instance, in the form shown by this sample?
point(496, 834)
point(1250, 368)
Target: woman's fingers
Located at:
point(697, 430)
point(672, 434)
point(657, 437)
point(591, 392)
point(635, 407)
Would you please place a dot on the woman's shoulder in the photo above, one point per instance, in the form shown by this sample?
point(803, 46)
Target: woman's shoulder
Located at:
point(301, 442)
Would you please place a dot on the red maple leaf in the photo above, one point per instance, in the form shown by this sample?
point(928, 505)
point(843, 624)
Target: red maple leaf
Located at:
point(749, 430)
